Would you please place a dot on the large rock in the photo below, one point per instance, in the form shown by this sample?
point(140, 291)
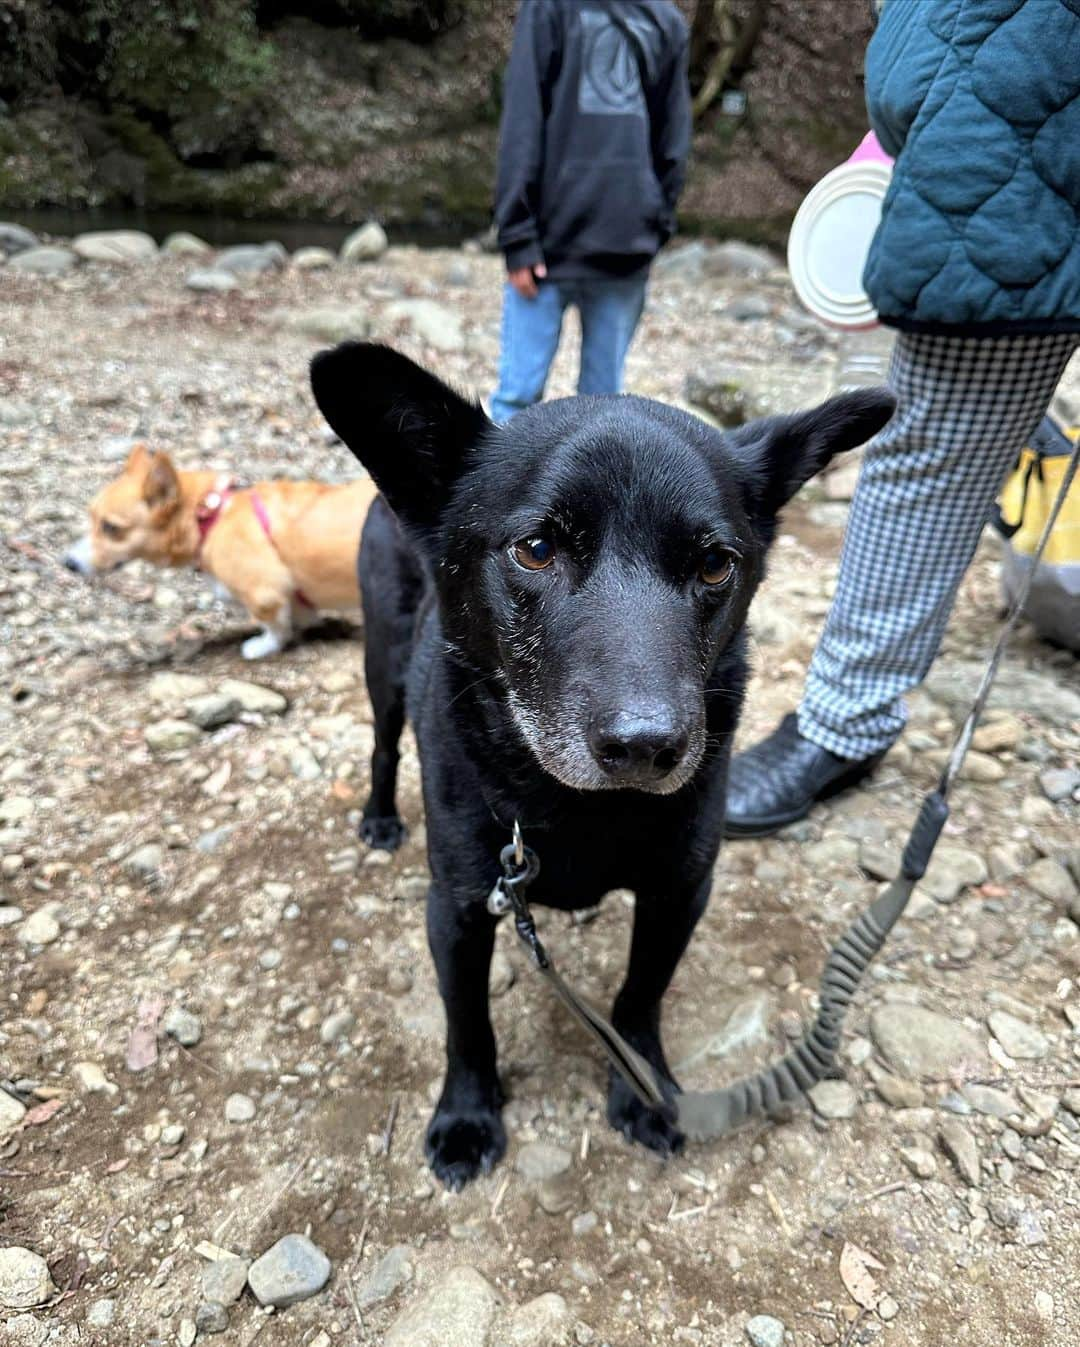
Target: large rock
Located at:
point(1050, 879)
point(834, 1099)
point(24, 1279)
point(15, 238)
point(1018, 1038)
point(254, 696)
point(293, 1269)
point(365, 244)
point(39, 928)
point(183, 244)
point(953, 869)
point(174, 689)
point(389, 1274)
point(313, 259)
point(739, 259)
point(224, 1279)
point(456, 1311)
point(211, 281)
point(165, 736)
point(212, 709)
point(251, 259)
point(686, 261)
point(545, 1321)
point(11, 1113)
point(121, 246)
point(43, 261)
point(925, 1045)
point(327, 322)
point(540, 1160)
point(953, 683)
point(432, 322)
point(959, 1145)
point(763, 1330)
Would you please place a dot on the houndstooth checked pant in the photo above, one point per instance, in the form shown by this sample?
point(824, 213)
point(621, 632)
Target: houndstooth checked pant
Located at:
point(966, 406)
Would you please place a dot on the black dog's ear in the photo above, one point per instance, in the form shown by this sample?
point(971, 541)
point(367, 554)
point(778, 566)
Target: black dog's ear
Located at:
point(409, 429)
point(780, 453)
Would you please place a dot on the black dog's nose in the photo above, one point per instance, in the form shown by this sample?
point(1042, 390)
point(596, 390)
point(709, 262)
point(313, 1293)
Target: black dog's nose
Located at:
point(643, 744)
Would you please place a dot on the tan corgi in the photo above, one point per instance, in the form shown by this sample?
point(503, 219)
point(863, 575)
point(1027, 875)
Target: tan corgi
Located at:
point(285, 550)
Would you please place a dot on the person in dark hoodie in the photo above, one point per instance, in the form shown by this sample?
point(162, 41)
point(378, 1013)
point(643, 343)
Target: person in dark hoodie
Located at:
point(592, 155)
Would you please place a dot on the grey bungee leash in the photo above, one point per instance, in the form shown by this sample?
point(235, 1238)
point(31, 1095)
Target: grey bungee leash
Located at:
point(705, 1115)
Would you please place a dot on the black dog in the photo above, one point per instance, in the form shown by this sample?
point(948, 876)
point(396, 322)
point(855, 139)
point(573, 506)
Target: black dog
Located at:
point(558, 605)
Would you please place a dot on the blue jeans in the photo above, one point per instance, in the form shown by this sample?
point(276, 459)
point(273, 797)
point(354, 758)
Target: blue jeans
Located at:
point(609, 310)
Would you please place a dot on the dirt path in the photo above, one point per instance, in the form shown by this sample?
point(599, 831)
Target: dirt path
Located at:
point(224, 879)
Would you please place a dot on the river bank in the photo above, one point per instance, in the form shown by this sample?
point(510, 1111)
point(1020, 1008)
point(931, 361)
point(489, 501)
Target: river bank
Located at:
point(221, 1025)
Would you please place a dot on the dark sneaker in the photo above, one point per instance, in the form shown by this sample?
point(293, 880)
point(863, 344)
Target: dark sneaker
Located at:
point(778, 781)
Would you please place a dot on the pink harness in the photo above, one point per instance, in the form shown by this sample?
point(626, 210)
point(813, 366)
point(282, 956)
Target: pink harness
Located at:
point(209, 512)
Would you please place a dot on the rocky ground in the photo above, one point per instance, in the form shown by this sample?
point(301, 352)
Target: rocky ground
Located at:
point(220, 1029)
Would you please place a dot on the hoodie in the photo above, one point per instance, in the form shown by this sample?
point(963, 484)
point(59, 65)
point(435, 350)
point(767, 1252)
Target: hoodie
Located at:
point(594, 137)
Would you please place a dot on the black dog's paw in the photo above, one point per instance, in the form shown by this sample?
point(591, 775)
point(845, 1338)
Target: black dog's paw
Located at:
point(649, 1126)
point(462, 1144)
point(383, 834)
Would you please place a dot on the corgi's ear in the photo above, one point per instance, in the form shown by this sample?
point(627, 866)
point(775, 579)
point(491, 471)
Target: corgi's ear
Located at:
point(161, 487)
point(136, 460)
point(411, 432)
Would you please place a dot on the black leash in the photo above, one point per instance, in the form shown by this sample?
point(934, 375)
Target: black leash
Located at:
point(706, 1115)
point(520, 866)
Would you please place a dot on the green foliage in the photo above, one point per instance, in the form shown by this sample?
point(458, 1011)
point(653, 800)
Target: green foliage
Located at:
point(159, 56)
point(414, 20)
point(166, 55)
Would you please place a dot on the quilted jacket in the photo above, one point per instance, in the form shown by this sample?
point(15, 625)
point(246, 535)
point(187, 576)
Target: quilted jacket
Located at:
point(979, 100)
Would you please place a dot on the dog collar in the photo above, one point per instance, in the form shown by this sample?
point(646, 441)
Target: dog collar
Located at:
point(208, 511)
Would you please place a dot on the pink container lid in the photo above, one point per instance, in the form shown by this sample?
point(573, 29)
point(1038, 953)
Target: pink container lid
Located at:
point(870, 148)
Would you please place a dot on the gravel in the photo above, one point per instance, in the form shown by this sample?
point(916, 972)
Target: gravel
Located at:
point(101, 1314)
point(183, 1025)
point(959, 1145)
point(336, 1026)
point(239, 1108)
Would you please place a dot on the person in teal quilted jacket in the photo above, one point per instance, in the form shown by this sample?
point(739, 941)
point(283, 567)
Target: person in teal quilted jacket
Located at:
point(977, 263)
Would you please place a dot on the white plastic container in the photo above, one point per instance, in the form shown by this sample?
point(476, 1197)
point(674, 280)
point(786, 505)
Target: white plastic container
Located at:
point(831, 236)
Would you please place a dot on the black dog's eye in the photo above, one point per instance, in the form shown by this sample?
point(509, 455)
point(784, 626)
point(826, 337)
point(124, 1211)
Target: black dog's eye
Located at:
point(535, 554)
point(112, 530)
point(717, 567)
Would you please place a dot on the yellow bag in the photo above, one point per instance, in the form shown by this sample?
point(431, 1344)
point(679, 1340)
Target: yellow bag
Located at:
point(1026, 500)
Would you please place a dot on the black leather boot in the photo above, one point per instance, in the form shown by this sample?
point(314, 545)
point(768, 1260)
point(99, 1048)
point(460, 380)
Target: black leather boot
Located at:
point(777, 781)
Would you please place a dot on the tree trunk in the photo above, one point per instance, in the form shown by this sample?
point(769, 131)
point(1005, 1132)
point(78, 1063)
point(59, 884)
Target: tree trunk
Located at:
point(714, 26)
